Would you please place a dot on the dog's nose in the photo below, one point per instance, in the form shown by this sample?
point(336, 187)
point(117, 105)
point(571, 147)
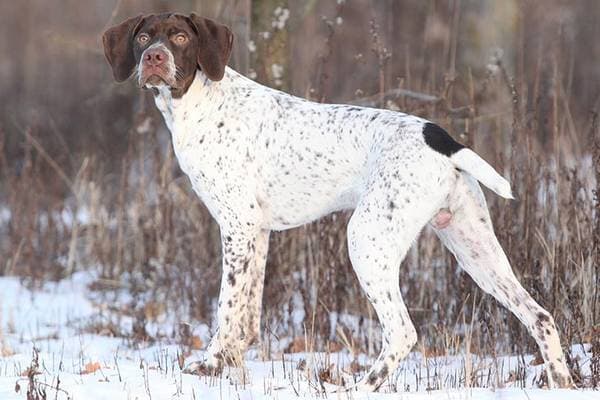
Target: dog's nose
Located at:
point(155, 57)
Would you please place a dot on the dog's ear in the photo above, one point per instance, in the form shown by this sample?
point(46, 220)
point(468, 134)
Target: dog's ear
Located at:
point(118, 47)
point(214, 46)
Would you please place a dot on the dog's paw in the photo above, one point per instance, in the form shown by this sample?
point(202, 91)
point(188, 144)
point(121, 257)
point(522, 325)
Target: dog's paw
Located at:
point(202, 368)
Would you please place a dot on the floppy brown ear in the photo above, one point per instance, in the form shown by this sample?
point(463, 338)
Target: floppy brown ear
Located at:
point(214, 46)
point(118, 47)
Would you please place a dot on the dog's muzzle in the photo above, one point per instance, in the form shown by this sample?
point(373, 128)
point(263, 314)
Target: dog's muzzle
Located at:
point(157, 67)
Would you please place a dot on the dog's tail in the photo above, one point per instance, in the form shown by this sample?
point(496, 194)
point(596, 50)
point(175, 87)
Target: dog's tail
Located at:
point(465, 159)
point(468, 161)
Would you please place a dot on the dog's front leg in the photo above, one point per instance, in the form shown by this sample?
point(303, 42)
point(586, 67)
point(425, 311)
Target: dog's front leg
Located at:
point(244, 253)
point(253, 310)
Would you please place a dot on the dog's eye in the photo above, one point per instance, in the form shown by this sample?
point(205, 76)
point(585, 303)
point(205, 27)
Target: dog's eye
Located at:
point(180, 38)
point(143, 38)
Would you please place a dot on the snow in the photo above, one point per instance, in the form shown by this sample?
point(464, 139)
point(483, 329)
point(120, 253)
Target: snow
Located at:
point(55, 319)
point(5, 215)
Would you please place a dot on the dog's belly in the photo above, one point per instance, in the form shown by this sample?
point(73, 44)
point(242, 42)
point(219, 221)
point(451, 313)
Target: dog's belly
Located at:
point(301, 207)
point(304, 191)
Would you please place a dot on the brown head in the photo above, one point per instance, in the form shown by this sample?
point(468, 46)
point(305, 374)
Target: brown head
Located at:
point(167, 49)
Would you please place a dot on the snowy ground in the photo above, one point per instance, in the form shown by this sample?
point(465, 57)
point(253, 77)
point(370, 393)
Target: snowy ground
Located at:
point(54, 320)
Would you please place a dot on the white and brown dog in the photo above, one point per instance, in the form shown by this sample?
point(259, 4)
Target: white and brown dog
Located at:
point(263, 160)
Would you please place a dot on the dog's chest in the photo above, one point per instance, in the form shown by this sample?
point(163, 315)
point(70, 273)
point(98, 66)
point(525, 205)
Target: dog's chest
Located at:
point(198, 140)
point(204, 149)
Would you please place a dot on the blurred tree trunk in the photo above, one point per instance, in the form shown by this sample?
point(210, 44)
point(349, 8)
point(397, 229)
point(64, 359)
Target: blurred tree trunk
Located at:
point(271, 38)
point(241, 23)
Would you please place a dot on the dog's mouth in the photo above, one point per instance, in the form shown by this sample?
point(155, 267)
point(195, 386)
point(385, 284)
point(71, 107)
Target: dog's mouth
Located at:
point(156, 76)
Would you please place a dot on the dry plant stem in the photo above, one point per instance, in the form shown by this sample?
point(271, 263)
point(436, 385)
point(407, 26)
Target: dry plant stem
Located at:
point(595, 134)
point(324, 56)
point(383, 55)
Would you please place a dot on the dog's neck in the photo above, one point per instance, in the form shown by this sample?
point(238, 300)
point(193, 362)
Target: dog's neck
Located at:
point(202, 99)
point(201, 88)
point(201, 96)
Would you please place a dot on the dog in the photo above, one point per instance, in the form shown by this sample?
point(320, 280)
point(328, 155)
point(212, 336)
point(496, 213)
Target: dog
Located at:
point(262, 160)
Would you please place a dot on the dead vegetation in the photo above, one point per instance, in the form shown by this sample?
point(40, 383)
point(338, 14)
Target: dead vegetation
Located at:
point(68, 204)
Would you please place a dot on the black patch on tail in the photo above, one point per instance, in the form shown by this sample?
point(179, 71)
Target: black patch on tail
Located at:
point(439, 140)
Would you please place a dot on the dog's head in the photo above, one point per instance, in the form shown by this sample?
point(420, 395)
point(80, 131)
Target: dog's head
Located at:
point(166, 50)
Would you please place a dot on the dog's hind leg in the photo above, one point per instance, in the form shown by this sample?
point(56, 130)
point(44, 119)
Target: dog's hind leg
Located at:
point(384, 225)
point(470, 237)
